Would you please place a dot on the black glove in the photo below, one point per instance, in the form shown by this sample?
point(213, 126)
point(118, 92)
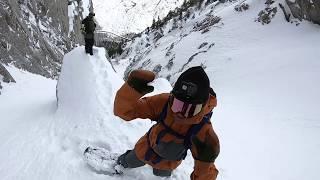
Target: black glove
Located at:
point(139, 79)
point(206, 153)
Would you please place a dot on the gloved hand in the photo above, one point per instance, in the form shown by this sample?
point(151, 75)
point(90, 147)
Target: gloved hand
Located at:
point(206, 152)
point(139, 79)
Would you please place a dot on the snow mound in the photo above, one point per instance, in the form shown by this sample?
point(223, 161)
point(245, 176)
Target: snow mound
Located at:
point(85, 92)
point(86, 78)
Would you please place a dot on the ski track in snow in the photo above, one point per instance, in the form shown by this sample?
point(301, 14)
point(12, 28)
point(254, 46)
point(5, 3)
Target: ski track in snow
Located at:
point(98, 117)
point(40, 141)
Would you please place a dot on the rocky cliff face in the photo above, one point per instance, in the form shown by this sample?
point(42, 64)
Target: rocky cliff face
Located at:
point(34, 34)
point(305, 9)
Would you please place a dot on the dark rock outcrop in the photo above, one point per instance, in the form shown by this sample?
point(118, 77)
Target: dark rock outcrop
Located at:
point(5, 75)
point(241, 7)
point(265, 16)
point(305, 9)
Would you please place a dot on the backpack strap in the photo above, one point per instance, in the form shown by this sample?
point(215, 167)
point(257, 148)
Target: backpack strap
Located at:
point(193, 130)
point(167, 129)
point(151, 152)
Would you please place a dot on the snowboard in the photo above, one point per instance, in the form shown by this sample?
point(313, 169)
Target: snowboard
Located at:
point(102, 161)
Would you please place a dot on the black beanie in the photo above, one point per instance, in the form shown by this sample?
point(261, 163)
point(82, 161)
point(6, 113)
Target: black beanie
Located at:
point(192, 86)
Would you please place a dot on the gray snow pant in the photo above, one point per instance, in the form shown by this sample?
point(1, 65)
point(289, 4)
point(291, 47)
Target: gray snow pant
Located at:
point(130, 160)
point(89, 42)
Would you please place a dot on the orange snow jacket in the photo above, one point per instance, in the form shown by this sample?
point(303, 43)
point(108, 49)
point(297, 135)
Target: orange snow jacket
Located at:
point(129, 105)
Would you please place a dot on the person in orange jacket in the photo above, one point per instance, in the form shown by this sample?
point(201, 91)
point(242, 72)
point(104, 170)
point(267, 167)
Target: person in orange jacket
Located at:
point(183, 123)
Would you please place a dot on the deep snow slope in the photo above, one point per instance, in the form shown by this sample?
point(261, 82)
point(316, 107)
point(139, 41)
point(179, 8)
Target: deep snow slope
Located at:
point(197, 40)
point(86, 90)
point(43, 139)
point(265, 77)
point(123, 16)
point(26, 117)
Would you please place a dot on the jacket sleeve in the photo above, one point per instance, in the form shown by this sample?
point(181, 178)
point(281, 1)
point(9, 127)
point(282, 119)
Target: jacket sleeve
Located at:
point(129, 105)
point(206, 170)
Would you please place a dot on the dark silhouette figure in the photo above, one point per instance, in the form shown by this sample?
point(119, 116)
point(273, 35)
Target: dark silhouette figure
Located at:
point(88, 29)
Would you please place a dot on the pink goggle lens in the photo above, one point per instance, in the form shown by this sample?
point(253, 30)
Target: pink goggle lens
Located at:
point(186, 109)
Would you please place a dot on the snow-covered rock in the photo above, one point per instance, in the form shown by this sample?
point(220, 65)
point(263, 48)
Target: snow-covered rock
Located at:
point(305, 9)
point(124, 16)
point(167, 49)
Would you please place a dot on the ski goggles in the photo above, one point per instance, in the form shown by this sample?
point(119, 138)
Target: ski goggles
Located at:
point(188, 110)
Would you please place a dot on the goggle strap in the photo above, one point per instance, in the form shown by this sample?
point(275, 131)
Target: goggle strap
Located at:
point(191, 111)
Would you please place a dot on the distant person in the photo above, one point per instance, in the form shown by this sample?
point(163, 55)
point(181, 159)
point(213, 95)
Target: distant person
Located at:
point(182, 122)
point(88, 31)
